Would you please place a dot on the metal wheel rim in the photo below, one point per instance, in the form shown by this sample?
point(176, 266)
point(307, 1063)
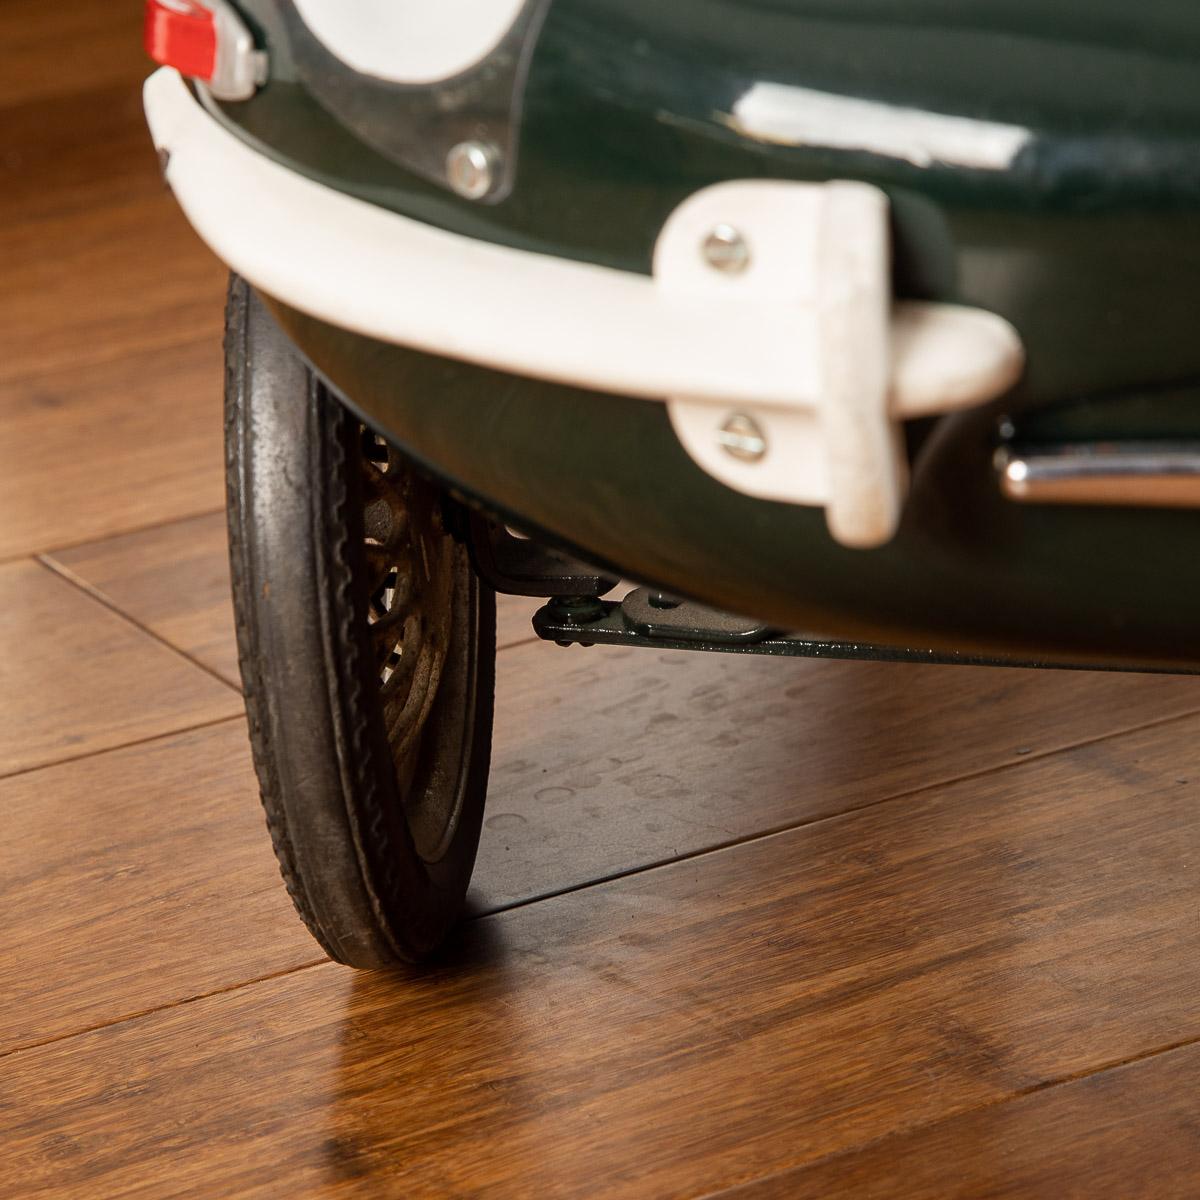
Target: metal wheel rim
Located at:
point(417, 597)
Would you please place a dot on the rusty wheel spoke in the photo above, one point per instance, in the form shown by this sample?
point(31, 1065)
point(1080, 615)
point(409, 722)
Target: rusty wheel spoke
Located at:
point(409, 597)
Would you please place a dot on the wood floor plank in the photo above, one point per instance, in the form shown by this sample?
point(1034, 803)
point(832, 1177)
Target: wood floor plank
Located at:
point(122, 444)
point(105, 284)
point(615, 758)
point(74, 153)
point(71, 119)
point(679, 1031)
point(67, 47)
point(513, 617)
point(560, 814)
point(1130, 1132)
point(611, 759)
point(135, 879)
point(174, 579)
point(99, 261)
point(77, 678)
point(111, 316)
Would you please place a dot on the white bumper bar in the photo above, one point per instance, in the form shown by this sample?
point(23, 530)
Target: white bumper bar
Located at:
point(804, 341)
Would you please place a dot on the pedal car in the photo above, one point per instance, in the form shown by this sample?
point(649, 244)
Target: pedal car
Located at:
point(872, 323)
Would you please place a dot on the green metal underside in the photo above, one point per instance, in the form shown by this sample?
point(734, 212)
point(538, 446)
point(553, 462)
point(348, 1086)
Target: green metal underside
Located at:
point(1089, 243)
point(968, 571)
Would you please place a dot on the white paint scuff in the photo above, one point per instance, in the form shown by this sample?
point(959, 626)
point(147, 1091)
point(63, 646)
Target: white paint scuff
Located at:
point(799, 116)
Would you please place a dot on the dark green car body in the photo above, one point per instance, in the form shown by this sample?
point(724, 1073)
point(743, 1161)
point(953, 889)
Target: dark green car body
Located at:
point(1088, 242)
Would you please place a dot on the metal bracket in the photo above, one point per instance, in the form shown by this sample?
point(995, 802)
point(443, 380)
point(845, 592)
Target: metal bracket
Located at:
point(460, 132)
point(240, 68)
point(655, 615)
point(522, 567)
point(589, 621)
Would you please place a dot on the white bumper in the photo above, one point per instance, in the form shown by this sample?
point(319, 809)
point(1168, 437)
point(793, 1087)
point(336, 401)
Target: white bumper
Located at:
point(780, 343)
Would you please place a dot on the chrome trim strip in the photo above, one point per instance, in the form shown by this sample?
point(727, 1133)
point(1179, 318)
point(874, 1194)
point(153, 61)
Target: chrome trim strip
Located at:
point(1156, 474)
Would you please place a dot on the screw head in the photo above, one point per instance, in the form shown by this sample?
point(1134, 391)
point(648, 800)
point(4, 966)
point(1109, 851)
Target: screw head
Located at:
point(741, 437)
point(725, 250)
point(471, 169)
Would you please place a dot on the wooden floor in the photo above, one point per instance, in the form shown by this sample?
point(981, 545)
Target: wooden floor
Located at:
point(749, 929)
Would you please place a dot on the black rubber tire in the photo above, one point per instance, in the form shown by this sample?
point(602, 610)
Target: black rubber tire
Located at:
point(345, 826)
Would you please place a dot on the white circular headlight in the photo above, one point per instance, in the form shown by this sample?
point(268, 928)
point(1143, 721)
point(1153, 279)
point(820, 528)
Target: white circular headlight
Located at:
point(410, 41)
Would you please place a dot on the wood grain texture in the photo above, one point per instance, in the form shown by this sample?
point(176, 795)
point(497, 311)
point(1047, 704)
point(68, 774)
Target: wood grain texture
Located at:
point(601, 788)
point(77, 678)
point(1129, 1132)
point(70, 46)
point(135, 879)
point(111, 314)
point(64, 159)
point(609, 759)
point(174, 579)
point(75, 152)
point(122, 444)
point(513, 617)
point(646, 757)
point(679, 1031)
point(105, 284)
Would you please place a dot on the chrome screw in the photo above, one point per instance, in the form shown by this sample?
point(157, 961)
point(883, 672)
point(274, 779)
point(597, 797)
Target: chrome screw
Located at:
point(471, 169)
point(725, 250)
point(741, 437)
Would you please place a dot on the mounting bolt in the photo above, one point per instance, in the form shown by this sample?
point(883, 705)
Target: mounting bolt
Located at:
point(576, 610)
point(725, 250)
point(471, 169)
point(741, 437)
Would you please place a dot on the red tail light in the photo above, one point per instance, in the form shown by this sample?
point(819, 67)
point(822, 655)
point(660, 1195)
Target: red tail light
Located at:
point(182, 34)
